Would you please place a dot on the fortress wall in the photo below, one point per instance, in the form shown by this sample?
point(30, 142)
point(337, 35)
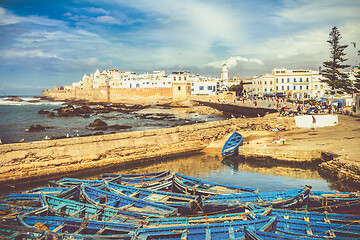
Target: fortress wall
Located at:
point(153, 94)
point(105, 94)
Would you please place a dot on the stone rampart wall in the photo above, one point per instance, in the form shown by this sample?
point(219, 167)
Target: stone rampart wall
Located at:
point(105, 94)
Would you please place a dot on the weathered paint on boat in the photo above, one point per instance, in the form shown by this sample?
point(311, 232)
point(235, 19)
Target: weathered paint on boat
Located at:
point(186, 204)
point(231, 146)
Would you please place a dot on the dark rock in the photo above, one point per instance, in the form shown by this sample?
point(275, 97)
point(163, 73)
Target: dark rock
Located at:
point(98, 133)
point(67, 111)
point(98, 124)
point(36, 128)
point(13, 99)
point(43, 112)
point(51, 115)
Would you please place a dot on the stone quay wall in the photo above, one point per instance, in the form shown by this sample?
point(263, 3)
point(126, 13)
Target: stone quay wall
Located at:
point(107, 94)
point(22, 163)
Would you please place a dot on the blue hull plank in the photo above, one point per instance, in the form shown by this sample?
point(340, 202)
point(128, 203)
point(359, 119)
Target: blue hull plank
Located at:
point(231, 146)
point(222, 230)
point(313, 216)
point(235, 202)
point(78, 228)
point(186, 204)
point(195, 186)
point(293, 226)
point(249, 215)
point(124, 203)
point(347, 203)
point(65, 207)
point(262, 235)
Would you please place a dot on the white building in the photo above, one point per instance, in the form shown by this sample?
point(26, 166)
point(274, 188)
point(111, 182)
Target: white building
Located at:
point(291, 83)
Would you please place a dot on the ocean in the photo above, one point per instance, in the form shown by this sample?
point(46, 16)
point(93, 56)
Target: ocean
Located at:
point(17, 117)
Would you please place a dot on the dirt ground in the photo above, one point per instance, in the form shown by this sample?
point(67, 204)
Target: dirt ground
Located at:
point(342, 139)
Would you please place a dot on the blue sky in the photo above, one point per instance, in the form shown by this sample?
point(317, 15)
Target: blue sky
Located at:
point(45, 43)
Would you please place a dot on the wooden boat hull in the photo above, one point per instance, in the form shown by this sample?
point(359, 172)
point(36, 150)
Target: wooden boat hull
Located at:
point(231, 146)
point(312, 216)
point(65, 207)
point(78, 228)
point(124, 203)
point(347, 203)
point(235, 202)
point(194, 186)
point(186, 204)
point(220, 230)
point(299, 227)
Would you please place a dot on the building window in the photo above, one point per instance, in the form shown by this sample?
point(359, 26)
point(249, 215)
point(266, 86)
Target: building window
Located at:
point(294, 87)
point(282, 87)
point(179, 88)
point(265, 82)
point(288, 87)
point(288, 80)
point(277, 80)
point(265, 90)
point(300, 79)
point(282, 80)
point(307, 79)
point(300, 86)
point(316, 86)
point(201, 88)
point(271, 89)
point(271, 82)
point(307, 87)
point(210, 88)
point(294, 79)
point(174, 78)
point(277, 88)
point(184, 78)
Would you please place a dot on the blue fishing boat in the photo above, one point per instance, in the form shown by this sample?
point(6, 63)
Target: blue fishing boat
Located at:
point(311, 216)
point(116, 201)
point(65, 207)
point(186, 204)
point(200, 219)
point(231, 146)
point(195, 186)
point(158, 181)
point(348, 202)
point(297, 198)
point(218, 230)
point(72, 228)
point(263, 235)
point(300, 227)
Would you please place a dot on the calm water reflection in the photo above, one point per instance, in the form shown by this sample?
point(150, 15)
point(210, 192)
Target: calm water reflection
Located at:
point(211, 166)
point(266, 176)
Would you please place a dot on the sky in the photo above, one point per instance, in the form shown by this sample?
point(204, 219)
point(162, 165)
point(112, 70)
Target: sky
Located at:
point(44, 43)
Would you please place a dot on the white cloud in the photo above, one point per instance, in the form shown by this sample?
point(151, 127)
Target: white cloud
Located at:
point(107, 19)
point(21, 53)
point(232, 62)
point(7, 18)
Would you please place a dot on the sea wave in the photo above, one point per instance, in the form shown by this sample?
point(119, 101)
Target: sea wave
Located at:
point(28, 101)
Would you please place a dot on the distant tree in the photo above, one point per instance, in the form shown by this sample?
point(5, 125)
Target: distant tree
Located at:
point(357, 77)
point(332, 73)
point(237, 88)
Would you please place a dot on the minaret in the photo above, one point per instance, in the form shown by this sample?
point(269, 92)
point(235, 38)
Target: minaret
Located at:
point(224, 73)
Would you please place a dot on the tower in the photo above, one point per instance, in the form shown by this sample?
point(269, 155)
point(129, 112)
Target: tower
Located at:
point(224, 73)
